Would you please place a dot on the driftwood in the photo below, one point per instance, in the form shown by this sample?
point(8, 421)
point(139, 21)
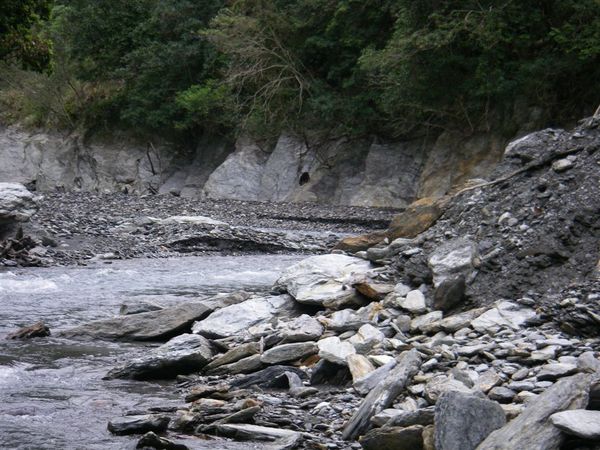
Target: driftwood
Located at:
point(383, 395)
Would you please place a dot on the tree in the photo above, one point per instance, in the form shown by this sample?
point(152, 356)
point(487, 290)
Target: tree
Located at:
point(19, 41)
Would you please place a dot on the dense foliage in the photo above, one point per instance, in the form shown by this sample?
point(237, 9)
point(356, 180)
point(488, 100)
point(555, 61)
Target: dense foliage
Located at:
point(19, 41)
point(350, 66)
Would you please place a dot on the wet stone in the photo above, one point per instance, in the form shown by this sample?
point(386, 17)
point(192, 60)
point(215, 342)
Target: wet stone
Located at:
point(138, 424)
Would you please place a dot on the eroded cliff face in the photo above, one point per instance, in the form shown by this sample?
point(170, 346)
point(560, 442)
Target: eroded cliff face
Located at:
point(342, 172)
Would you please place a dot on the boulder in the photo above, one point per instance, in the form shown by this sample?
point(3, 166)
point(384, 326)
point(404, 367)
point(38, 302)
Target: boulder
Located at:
point(440, 384)
point(413, 302)
point(426, 320)
point(452, 259)
point(332, 349)
point(421, 416)
point(463, 421)
point(355, 244)
point(552, 372)
point(303, 328)
point(151, 440)
point(359, 366)
point(418, 217)
point(324, 280)
point(532, 430)
point(372, 290)
point(248, 364)
point(366, 338)
point(235, 354)
point(449, 294)
point(289, 352)
point(153, 325)
point(505, 314)
point(578, 422)
point(17, 204)
point(234, 319)
point(138, 424)
point(272, 376)
point(367, 383)
point(393, 438)
point(181, 355)
point(533, 146)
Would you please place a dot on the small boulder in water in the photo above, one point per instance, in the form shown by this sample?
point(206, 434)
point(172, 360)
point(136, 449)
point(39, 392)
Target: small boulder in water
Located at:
point(38, 329)
point(138, 424)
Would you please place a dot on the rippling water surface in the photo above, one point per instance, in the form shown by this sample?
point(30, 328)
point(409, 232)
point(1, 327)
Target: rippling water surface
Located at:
point(51, 392)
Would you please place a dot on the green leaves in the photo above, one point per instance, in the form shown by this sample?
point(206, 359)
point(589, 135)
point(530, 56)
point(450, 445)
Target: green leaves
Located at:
point(20, 40)
point(357, 67)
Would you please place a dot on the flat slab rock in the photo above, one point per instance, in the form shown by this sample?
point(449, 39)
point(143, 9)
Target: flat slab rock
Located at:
point(289, 352)
point(181, 355)
point(578, 422)
point(148, 326)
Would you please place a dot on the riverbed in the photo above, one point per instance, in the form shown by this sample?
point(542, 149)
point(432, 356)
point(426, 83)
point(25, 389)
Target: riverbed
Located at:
point(52, 395)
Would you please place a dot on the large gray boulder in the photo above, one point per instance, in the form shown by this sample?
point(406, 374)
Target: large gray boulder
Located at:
point(324, 280)
point(533, 146)
point(462, 420)
point(235, 319)
point(17, 204)
point(153, 325)
point(183, 354)
point(452, 259)
point(533, 430)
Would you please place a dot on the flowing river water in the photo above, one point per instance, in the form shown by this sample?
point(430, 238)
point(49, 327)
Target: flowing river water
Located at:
point(52, 395)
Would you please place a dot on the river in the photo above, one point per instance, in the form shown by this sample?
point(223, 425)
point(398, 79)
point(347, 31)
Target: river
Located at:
point(51, 392)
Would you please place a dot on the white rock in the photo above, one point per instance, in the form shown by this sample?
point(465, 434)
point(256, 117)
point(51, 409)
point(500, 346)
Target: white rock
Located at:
point(366, 338)
point(579, 422)
point(451, 259)
point(17, 204)
point(381, 360)
point(414, 302)
point(505, 314)
point(332, 349)
point(324, 280)
point(235, 319)
point(192, 220)
point(419, 322)
point(562, 165)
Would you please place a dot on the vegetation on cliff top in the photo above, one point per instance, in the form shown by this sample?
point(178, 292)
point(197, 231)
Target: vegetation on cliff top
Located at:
point(392, 67)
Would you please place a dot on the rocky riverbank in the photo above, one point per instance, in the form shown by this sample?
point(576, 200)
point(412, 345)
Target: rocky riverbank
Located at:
point(74, 227)
point(470, 323)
